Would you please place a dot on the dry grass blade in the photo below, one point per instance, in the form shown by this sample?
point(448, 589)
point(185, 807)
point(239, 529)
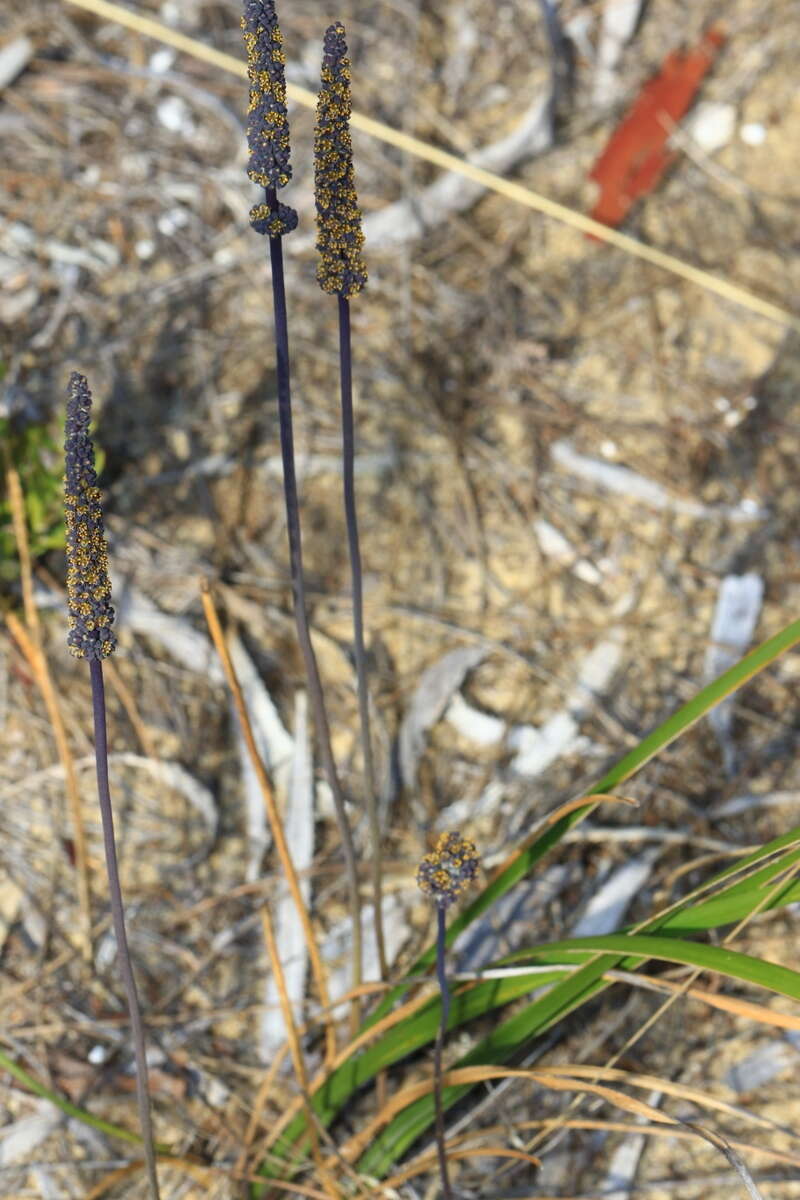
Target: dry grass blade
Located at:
point(103, 1186)
point(201, 1173)
point(426, 1161)
point(393, 1018)
point(295, 1049)
point(568, 1078)
point(262, 1095)
point(681, 990)
point(550, 819)
point(724, 1146)
point(468, 1075)
point(16, 503)
point(454, 1155)
point(601, 798)
point(725, 1003)
point(450, 162)
point(655, 1083)
point(729, 1004)
point(30, 643)
point(36, 660)
point(276, 825)
point(128, 702)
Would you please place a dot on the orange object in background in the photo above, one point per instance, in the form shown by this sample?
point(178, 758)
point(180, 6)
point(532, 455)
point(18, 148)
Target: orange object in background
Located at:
point(637, 154)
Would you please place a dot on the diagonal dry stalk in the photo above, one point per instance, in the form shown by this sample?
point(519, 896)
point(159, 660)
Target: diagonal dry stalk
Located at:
point(19, 523)
point(510, 189)
point(273, 816)
point(126, 698)
point(28, 638)
point(295, 1050)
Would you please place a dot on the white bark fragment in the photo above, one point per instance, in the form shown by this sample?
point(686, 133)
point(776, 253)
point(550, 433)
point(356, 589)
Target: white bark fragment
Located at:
point(289, 936)
point(618, 27)
point(735, 618)
point(536, 748)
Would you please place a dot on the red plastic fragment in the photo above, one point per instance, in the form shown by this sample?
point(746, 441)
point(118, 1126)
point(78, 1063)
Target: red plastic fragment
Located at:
point(637, 155)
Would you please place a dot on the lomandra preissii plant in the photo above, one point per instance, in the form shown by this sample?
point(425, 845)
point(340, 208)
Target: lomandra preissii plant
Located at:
point(91, 636)
point(269, 166)
point(443, 876)
point(341, 271)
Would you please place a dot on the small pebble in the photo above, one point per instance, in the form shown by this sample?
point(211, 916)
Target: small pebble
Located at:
point(14, 58)
point(173, 114)
point(161, 60)
point(753, 133)
point(711, 125)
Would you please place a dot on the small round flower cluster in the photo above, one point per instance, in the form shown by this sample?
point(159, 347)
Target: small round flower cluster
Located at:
point(449, 869)
point(273, 221)
point(91, 616)
point(341, 269)
point(267, 119)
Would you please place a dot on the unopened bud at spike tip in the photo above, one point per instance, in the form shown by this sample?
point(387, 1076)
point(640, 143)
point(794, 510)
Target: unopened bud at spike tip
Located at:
point(340, 238)
point(449, 869)
point(91, 617)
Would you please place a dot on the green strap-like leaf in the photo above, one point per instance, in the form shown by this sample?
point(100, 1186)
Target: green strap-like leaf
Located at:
point(584, 983)
point(562, 999)
point(662, 736)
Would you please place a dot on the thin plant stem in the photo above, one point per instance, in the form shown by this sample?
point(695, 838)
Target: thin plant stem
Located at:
point(118, 917)
point(444, 988)
point(298, 590)
point(351, 517)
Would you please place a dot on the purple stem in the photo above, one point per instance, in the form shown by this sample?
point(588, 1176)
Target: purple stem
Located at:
point(298, 587)
point(441, 946)
point(118, 917)
point(351, 517)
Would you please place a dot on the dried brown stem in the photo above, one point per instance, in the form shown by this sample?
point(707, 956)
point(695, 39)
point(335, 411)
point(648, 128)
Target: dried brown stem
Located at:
point(273, 816)
point(36, 660)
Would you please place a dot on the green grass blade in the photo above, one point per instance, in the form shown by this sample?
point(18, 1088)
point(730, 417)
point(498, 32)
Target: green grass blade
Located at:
point(68, 1108)
point(565, 995)
point(786, 841)
point(611, 951)
point(657, 740)
point(637, 947)
point(416, 1032)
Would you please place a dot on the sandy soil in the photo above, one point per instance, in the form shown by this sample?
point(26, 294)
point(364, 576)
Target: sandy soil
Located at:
point(503, 364)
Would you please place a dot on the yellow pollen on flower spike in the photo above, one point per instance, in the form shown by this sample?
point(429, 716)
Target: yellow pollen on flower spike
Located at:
point(91, 616)
point(267, 125)
point(341, 269)
point(447, 871)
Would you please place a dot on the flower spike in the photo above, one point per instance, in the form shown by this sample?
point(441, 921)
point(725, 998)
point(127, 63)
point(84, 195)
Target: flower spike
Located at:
point(341, 268)
point(449, 869)
point(91, 617)
point(267, 119)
